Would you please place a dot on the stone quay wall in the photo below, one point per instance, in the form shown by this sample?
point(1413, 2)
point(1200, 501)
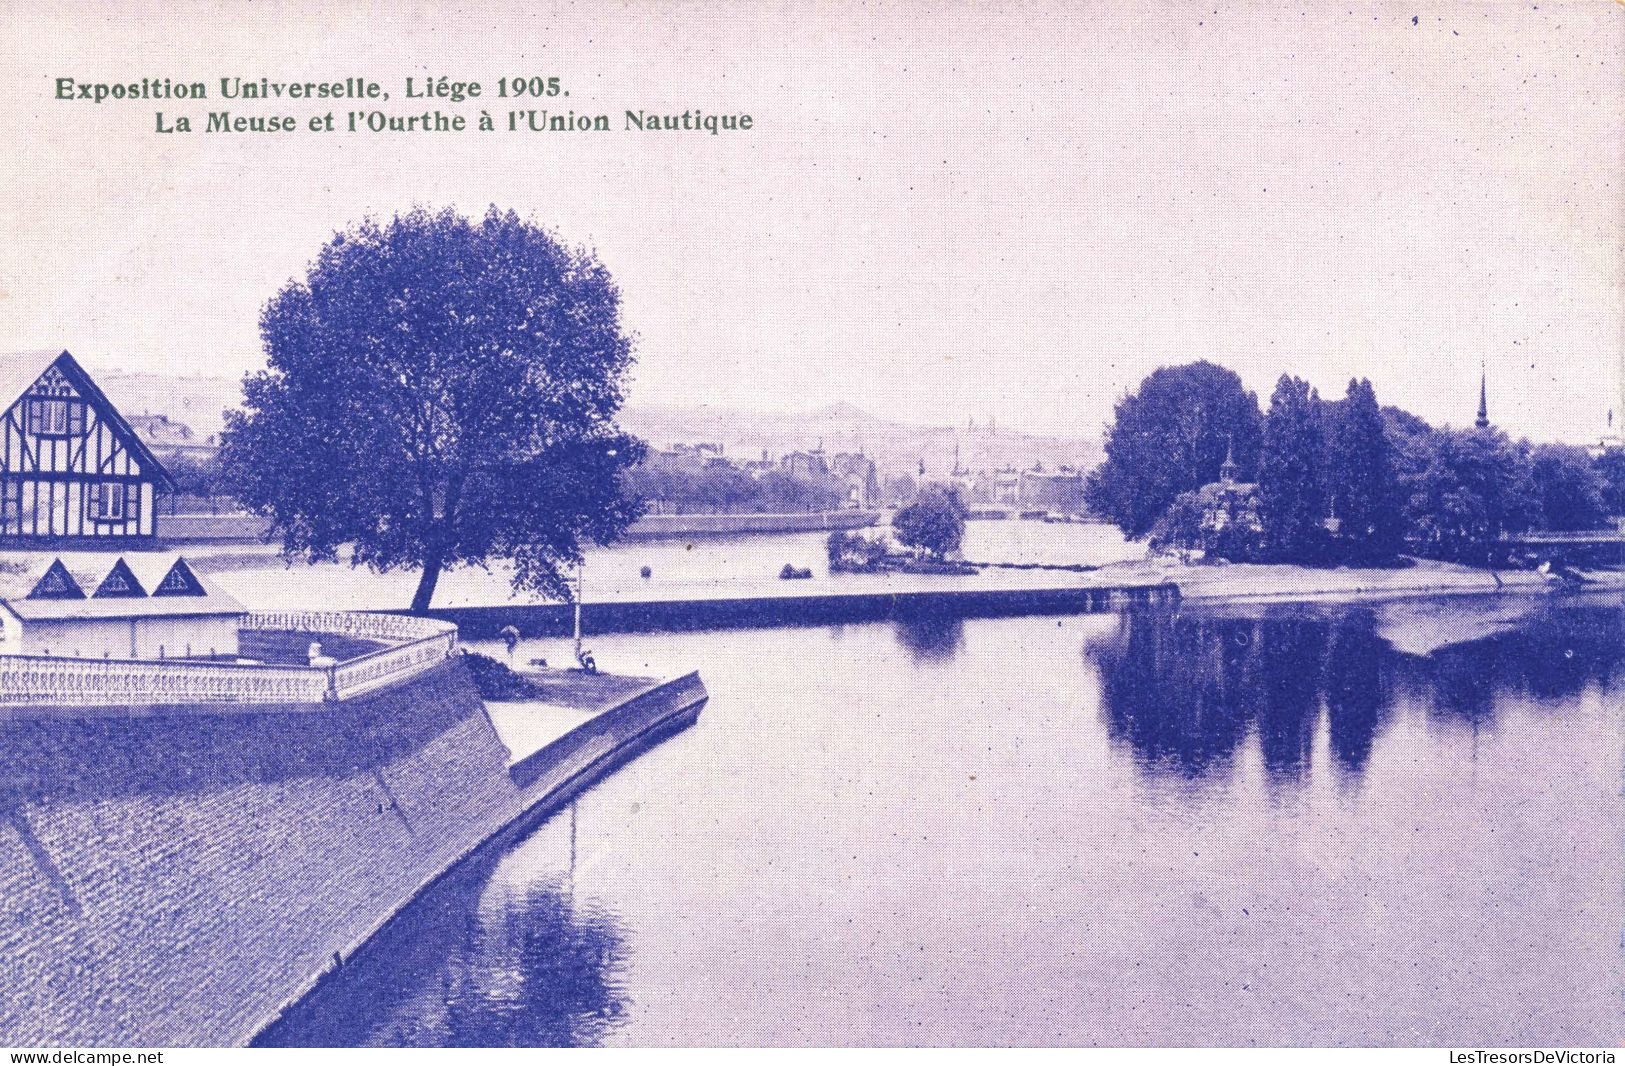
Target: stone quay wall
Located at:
point(745, 612)
point(181, 879)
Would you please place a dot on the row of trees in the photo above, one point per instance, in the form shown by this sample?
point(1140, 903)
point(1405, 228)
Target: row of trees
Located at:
point(197, 477)
point(442, 391)
point(1321, 481)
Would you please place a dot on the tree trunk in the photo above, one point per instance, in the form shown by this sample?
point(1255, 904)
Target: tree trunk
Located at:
point(426, 584)
point(438, 536)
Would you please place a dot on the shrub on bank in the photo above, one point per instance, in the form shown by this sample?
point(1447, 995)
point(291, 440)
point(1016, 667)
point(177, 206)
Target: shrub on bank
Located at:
point(851, 552)
point(496, 681)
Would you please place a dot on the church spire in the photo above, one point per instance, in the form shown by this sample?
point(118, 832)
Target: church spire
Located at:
point(1227, 470)
point(1483, 398)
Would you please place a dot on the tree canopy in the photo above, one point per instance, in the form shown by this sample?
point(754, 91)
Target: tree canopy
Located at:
point(1361, 489)
point(933, 523)
point(1573, 489)
point(441, 392)
point(1171, 436)
point(1468, 488)
point(1611, 468)
point(1291, 475)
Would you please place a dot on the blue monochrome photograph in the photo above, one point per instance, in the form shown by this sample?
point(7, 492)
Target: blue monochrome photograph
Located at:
point(883, 525)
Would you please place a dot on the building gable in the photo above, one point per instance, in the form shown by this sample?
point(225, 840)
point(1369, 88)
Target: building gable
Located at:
point(180, 581)
point(56, 584)
point(119, 582)
point(72, 468)
point(64, 389)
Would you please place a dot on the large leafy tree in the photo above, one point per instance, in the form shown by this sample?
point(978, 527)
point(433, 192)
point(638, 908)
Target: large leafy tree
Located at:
point(1468, 488)
point(1291, 476)
point(1611, 468)
point(441, 392)
point(1169, 437)
point(1361, 487)
point(934, 523)
point(1573, 492)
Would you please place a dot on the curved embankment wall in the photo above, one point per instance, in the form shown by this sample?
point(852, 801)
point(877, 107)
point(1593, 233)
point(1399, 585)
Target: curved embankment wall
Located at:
point(816, 609)
point(177, 880)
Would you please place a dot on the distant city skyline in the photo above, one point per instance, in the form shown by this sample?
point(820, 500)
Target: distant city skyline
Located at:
point(145, 403)
point(1020, 230)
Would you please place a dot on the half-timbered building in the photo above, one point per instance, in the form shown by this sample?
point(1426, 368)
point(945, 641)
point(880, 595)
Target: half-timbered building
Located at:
point(72, 470)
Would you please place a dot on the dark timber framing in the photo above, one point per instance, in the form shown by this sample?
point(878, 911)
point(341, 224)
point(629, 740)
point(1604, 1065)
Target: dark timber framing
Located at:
point(72, 470)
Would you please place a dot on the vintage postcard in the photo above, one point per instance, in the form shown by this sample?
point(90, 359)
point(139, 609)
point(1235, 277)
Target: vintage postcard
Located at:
point(829, 523)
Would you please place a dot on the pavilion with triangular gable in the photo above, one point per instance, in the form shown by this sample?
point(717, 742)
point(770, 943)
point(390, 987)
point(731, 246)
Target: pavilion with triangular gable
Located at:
point(144, 605)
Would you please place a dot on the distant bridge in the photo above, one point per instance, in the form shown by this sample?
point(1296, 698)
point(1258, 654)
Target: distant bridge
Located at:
point(1568, 536)
point(1579, 547)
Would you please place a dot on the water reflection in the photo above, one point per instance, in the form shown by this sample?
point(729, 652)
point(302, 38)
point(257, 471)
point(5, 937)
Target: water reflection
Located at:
point(1553, 657)
point(830, 883)
point(473, 966)
point(1279, 681)
point(1171, 688)
point(1357, 689)
point(931, 637)
point(1183, 690)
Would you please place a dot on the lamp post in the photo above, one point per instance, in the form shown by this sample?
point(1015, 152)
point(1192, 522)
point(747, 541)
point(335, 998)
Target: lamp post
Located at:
point(582, 659)
point(580, 568)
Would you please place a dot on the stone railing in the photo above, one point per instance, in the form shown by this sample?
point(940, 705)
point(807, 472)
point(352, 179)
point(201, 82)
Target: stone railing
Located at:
point(417, 645)
point(389, 665)
point(50, 681)
point(390, 628)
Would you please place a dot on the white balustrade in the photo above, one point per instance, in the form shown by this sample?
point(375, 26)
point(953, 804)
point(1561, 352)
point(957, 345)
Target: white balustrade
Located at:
point(388, 665)
point(417, 645)
point(394, 628)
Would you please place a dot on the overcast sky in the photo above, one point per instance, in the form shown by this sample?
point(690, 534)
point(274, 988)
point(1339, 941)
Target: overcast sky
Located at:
point(940, 213)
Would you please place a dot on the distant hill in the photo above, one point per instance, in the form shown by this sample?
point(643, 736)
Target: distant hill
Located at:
point(896, 447)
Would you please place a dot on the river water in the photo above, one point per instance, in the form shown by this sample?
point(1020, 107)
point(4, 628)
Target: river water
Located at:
point(701, 568)
point(1373, 824)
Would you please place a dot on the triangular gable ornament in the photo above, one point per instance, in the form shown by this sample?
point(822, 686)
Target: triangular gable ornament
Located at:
point(180, 581)
point(120, 582)
point(56, 584)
